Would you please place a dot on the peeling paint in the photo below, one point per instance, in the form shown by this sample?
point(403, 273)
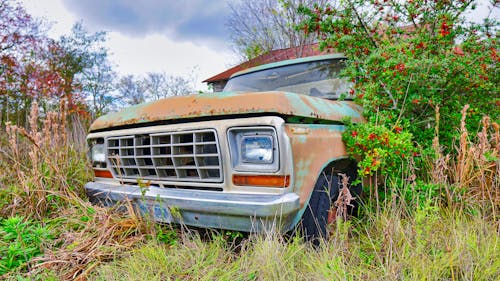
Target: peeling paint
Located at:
point(312, 152)
point(301, 171)
point(231, 103)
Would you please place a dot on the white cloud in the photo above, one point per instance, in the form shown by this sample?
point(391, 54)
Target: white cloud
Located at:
point(152, 52)
point(55, 12)
point(157, 53)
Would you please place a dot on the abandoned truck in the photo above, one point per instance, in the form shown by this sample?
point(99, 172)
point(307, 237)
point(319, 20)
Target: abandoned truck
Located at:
point(265, 153)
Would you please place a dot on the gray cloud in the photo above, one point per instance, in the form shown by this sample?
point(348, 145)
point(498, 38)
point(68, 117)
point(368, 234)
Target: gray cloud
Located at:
point(192, 20)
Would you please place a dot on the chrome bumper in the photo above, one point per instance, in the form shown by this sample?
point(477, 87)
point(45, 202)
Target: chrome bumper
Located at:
point(207, 209)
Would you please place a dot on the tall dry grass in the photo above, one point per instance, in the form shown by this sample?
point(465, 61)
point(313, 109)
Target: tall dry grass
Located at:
point(43, 170)
point(44, 166)
point(472, 175)
point(431, 245)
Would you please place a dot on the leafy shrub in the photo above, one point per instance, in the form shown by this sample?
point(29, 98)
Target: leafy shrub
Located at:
point(408, 57)
point(379, 149)
point(21, 240)
point(412, 62)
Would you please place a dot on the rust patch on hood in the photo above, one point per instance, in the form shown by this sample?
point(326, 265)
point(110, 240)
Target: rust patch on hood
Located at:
point(230, 103)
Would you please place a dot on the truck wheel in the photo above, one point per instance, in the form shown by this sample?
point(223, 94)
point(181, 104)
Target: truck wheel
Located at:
point(315, 219)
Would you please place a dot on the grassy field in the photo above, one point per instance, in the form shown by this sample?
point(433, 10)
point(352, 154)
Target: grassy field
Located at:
point(49, 231)
point(431, 244)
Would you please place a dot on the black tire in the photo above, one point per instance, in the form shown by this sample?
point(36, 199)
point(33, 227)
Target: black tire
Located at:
point(314, 221)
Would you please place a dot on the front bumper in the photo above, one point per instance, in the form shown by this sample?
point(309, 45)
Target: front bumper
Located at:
point(207, 209)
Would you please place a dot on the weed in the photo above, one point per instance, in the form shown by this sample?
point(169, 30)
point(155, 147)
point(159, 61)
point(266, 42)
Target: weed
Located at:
point(143, 187)
point(21, 241)
point(432, 244)
point(473, 176)
point(44, 168)
point(345, 198)
point(166, 235)
point(43, 181)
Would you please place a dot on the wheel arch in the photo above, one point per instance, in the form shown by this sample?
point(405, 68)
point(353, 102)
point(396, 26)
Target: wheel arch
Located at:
point(337, 164)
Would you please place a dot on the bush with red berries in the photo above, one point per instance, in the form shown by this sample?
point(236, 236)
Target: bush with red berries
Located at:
point(378, 149)
point(408, 58)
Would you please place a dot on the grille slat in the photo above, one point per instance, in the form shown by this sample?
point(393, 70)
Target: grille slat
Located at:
point(173, 156)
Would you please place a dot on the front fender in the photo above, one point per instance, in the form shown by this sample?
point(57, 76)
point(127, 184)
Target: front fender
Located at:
point(314, 147)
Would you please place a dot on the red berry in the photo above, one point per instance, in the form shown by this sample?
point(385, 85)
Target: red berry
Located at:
point(458, 51)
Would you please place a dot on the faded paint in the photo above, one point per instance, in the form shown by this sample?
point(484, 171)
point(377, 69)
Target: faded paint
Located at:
point(312, 152)
point(306, 147)
point(231, 103)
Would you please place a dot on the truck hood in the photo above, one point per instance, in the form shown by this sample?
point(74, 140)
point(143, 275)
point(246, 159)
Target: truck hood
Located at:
point(230, 103)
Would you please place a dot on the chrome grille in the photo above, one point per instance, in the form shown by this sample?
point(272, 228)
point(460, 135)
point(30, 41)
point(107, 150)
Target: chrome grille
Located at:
point(170, 156)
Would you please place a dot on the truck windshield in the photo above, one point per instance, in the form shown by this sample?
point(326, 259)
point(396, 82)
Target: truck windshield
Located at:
point(317, 79)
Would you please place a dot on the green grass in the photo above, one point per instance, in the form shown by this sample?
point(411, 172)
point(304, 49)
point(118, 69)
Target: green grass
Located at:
point(431, 244)
point(21, 241)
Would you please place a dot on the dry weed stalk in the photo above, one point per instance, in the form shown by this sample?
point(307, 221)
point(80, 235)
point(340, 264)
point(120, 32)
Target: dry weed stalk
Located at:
point(435, 141)
point(63, 111)
point(474, 175)
point(462, 159)
point(441, 162)
point(479, 174)
point(100, 240)
point(345, 198)
point(42, 172)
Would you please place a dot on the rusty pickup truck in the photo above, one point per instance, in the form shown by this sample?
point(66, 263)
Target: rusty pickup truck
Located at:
point(264, 154)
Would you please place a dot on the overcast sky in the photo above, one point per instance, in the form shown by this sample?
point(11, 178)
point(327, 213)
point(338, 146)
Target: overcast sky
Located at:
point(169, 36)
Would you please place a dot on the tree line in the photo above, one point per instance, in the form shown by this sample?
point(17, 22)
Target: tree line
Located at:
point(74, 69)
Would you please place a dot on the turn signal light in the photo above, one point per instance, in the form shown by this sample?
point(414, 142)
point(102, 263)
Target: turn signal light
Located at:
point(103, 174)
point(262, 180)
